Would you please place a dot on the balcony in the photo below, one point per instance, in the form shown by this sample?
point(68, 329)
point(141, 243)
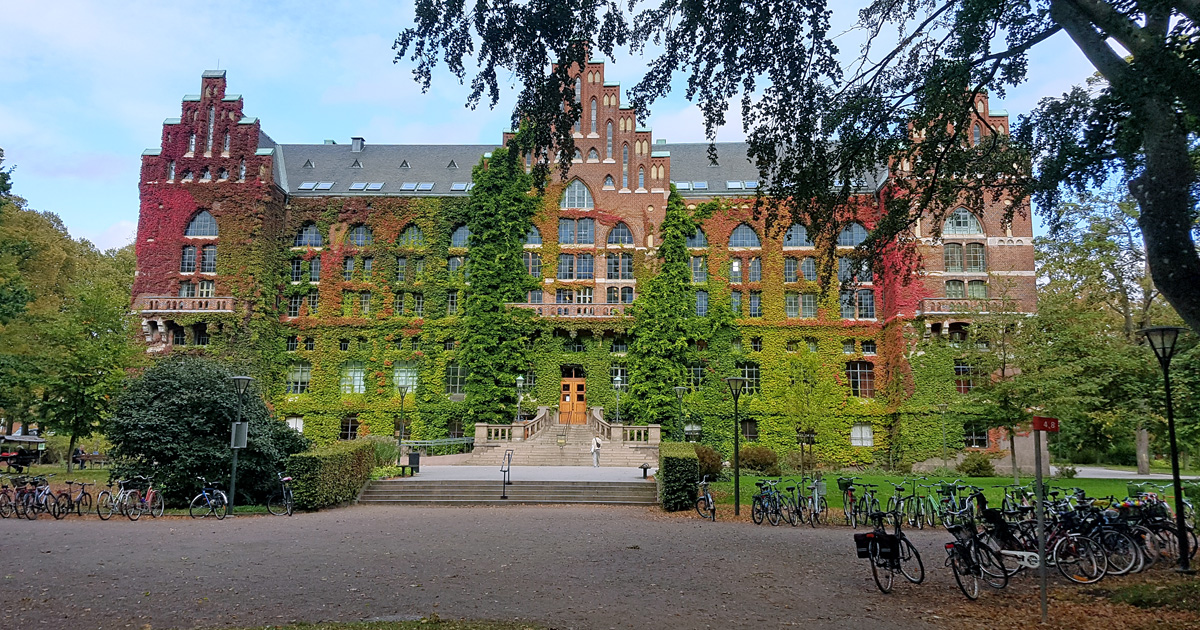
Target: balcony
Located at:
point(145, 304)
point(957, 306)
point(592, 311)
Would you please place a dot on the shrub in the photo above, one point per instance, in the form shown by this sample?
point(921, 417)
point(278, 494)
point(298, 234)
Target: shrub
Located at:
point(678, 470)
point(760, 459)
point(173, 422)
point(331, 474)
point(1067, 472)
point(711, 462)
point(386, 449)
point(976, 464)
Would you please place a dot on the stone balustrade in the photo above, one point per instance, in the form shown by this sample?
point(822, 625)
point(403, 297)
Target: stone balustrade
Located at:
point(955, 306)
point(173, 304)
point(516, 432)
point(573, 310)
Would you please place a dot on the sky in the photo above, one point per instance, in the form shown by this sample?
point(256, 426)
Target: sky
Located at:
point(86, 85)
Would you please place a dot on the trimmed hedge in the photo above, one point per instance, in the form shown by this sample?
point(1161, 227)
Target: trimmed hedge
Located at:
point(678, 471)
point(331, 474)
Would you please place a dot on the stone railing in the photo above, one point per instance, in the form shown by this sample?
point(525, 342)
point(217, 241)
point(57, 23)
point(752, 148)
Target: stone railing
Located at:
point(599, 425)
point(169, 304)
point(955, 306)
point(632, 434)
point(515, 432)
point(573, 310)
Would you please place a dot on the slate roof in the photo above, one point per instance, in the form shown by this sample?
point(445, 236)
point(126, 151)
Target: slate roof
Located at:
point(424, 169)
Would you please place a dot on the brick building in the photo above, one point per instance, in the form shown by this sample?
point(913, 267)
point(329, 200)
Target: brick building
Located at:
point(337, 271)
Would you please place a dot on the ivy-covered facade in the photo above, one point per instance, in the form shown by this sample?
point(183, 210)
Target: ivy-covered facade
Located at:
point(339, 276)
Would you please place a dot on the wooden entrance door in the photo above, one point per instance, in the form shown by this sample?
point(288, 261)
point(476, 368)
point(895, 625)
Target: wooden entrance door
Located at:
point(572, 403)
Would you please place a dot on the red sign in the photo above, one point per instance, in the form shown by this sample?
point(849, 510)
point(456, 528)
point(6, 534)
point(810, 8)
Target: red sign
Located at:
point(1049, 425)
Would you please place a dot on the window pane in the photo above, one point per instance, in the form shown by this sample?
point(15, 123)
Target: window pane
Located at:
point(975, 257)
point(735, 271)
point(566, 232)
point(955, 289)
point(586, 232)
point(697, 239)
point(755, 304)
point(861, 376)
point(460, 237)
point(627, 266)
point(187, 261)
point(791, 304)
point(534, 237)
point(977, 290)
point(566, 267)
point(866, 304)
point(577, 196)
point(701, 303)
point(791, 268)
point(584, 267)
point(846, 301)
point(699, 270)
point(755, 270)
point(808, 305)
point(735, 303)
point(208, 259)
point(744, 236)
point(620, 235)
point(797, 236)
point(203, 225)
point(962, 221)
point(953, 256)
point(852, 236)
point(808, 267)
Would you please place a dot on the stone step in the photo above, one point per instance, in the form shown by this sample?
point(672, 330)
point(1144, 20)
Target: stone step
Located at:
point(450, 492)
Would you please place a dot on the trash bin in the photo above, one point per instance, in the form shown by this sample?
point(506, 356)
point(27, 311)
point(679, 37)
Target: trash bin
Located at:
point(414, 460)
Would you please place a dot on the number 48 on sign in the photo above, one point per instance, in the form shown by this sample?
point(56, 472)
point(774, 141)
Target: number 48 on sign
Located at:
point(1041, 423)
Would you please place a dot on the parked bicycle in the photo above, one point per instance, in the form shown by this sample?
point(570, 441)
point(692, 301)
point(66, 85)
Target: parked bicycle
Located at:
point(281, 503)
point(77, 502)
point(211, 501)
point(149, 502)
point(889, 552)
point(971, 559)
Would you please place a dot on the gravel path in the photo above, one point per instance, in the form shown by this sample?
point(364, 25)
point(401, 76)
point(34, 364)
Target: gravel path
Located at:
point(567, 567)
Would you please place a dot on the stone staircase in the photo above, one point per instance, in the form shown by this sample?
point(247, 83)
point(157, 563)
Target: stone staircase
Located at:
point(544, 449)
point(415, 491)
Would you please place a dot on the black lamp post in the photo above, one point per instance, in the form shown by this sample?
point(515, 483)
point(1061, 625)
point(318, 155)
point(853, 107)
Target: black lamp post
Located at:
point(680, 390)
point(520, 394)
point(240, 385)
point(942, 408)
point(735, 387)
point(617, 386)
point(1162, 340)
point(400, 437)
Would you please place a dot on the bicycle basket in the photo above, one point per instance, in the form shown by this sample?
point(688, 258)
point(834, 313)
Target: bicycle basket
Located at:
point(818, 489)
point(947, 488)
point(844, 483)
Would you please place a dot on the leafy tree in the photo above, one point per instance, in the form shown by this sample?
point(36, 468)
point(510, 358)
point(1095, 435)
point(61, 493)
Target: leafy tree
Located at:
point(179, 411)
point(494, 347)
point(658, 350)
point(97, 346)
point(909, 99)
point(14, 294)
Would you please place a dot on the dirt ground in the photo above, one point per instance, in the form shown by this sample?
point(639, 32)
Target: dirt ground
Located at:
point(564, 566)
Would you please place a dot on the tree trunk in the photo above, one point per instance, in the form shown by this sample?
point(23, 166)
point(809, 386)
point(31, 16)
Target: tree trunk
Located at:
point(1012, 454)
point(1143, 451)
point(71, 452)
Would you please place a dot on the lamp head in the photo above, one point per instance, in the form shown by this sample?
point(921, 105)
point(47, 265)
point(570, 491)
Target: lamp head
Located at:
point(736, 383)
point(680, 390)
point(520, 382)
point(617, 382)
point(1162, 340)
point(241, 383)
point(942, 407)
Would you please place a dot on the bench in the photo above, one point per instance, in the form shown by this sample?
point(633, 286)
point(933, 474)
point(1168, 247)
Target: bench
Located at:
point(17, 461)
point(97, 459)
point(405, 470)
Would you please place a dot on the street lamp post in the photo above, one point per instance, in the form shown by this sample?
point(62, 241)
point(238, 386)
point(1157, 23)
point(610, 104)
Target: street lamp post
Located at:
point(400, 438)
point(617, 386)
point(679, 392)
point(1162, 340)
point(942, 408)
point(735, 388)
point(520, 391)
point(240, 385)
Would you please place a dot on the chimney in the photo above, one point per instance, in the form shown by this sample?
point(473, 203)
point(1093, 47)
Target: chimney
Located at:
point(356, 145)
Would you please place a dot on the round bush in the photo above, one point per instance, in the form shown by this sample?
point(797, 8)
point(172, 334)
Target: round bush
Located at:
point(760, 459)
point(711, 462)
point(977, 464)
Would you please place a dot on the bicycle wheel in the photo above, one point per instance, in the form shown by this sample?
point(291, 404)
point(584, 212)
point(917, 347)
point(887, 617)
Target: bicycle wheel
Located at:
point(757, 511)
point(277, 506)
point(774, 511)
point(65, 503)
point(29, 507)
point(84, 504)
point(1121, 552)
point(57, 505)
point(131, 507)
point(791, 513)
point(991, 566)
point(291, 504)
point(931, 513)
point(1079, 559)
point(823, 511)
point(1011, 566)
point(1147, 545)
point(157, 505)
point(916, 514)
point(910, 562)
point(105, 505)
point(880, 568)
point(6, 505)
point(219, 503)
point(199, 507)
point(965, 575)
point(848, 508)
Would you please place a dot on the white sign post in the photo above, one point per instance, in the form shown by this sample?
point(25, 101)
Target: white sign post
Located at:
point(1041, 424)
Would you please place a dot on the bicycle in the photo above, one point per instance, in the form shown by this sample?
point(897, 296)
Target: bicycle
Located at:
point(971, 559)
point(866, 504)
point(138, 503)
point(846, 487)
point(211, 500)
point(767, 504)
point(705, 506)
point(44, 500)
point(281, 502)
point(81, 502)
point(889, 553)
point(816, 506)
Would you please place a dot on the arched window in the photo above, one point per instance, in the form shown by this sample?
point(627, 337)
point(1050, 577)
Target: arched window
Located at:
point(608, 181)
point(578, 156)
point(976, 135)
point(411, 237)
point(593, 118)
point(852, 236)
point(534, 237)
point(744, 236)
point(961, 221)
point(360, 235)
point(975, 257)
point(593, 155)
point(202, 225)
point(697, 239)
point(620, 235)
point(460, 237)
point(608, 143)
point(641, 177)
point(625, 165)
point(308, 236)
point(955, 289)
point(576, 196)
point(952, 257)
point(977, 290)
point(797, 236)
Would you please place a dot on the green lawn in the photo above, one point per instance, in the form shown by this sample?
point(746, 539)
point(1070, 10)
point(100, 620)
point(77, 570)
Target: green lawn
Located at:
point(723, 491)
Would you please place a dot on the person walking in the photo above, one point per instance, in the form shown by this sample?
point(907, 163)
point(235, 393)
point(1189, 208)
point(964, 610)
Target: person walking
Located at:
point(596, 451)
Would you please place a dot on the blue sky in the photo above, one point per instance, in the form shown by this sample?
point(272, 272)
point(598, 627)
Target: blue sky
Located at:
point(86, 86)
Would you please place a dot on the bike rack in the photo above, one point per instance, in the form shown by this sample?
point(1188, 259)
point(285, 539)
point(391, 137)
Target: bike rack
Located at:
point(506, 468)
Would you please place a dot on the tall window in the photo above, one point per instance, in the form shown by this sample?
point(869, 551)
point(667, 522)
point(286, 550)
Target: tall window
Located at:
point(756, 304)
point(401, 268)
point(956, 289)
point(297, 269)
point(755, 269)
point(313, 298)
point(751, 375)
point(625, 165)
point(452, 302)
point(641, 177)
point(208, 259)
point(808, 268)
point(808, 305)
point(697, 239)
point(735, 271)
point(620, 266)
point(960, 222)
point(962, 376)
point(701, 303)
point(861, 376)
point(566, 267)
point(593, 117)
point(576, 232)
point(308, 236)
point(187, 262)
point(791, 304)
point(364, 302)
point(349, 428)
point(412, 236)
point(202, 225)
point(534, 237)
point(977, 290)
point(533, 264)
point(348, 269)
point(735, 303)
point(206, 288)
point(852, 235)
point(797, 236)
point(352, 378)
point(975, 435)
point(862, 434)
point(621, 372)
point(576, 196)
point(744, 236)
point(791, 270)
point(695, 376)
point(975, 257)
point(298, 376)
point(609, 142)
point(846, 302)
point(293, 309)
point(620, 235)
point(360, 235)
point(699, 269)
point(419, 304)
point(952, 257)
point(460, 237)
point(455, 263)
point(866, 304)
point(404, 374)
point(584, 267)
point(456, 379)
